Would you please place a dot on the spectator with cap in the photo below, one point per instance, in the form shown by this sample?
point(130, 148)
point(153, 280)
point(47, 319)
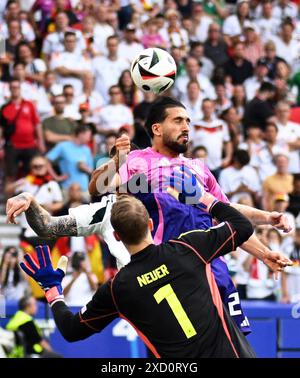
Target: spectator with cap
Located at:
point(253, 83)
point(74, 159)
point(259, 109)
point(129, 48)
point(237, 67)
point(70, 67)
point(115, 114)
point(281, 182)
point(253, 45)
point(108, 69)
point(58, 128)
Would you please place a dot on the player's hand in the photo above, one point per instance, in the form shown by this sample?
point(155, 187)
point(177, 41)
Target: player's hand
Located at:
point(39, 266)
point(276, 261)
point(280, 221)
point(17, 205)
point(186, 188)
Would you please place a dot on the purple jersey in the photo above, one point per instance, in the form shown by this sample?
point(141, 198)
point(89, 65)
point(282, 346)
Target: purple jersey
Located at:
point(172, 218)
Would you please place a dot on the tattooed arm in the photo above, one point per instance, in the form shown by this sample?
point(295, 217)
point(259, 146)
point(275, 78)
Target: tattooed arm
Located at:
point(38, 218)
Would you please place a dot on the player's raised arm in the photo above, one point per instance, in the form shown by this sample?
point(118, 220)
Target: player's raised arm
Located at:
point(92, 318)
point(38, 218)
point(106, 177)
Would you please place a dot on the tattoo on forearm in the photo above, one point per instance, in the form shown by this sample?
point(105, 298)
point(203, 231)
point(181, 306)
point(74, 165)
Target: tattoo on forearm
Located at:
point(47, 226)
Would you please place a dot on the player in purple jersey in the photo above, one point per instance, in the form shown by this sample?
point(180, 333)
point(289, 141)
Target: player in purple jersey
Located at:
point(168, 125)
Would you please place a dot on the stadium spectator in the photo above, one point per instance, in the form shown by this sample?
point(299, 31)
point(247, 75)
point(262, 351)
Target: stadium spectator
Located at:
point(240, 179)
point(54, 42)
point(253, 83)
point(239, 99)
point(267, 24)
point(294, 197)
point(13, 283)
point(214, 47)
point(22, 132)
point(193, 100)
point(103, 29)
point(197, 51)
point(28, 89)
point(71, 109)
point(58, 128)
point(222, 102)
point(233, 25)
point(271, 58)
point(46, 93)
point(201, 22)
point(151, 36)
point(131, 94)
point(129, 48)
point(253, 45)
point(288, 133)
point(81, 284)
point(193, 72)
point(173, 33)
point(290, 279)
point(259, 110)
point(35, 68)
point(74, 159)
point(235, 128)
point(253, 143)
point(115, 114)
point(23, 321)
point(237, 67)
point(210, 126)
point(70, 67)
point(107, 69)
point(281, 182)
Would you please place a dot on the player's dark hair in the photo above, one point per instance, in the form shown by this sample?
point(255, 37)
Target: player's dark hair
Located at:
point(129, 219)
point(157, 112)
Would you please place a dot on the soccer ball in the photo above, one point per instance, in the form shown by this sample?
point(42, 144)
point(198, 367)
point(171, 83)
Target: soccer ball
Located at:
point(153, 70)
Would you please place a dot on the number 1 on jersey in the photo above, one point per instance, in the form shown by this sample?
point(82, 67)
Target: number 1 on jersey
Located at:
point(167, 292)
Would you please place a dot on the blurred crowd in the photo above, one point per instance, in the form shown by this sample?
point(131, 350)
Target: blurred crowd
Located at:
point(66, 94)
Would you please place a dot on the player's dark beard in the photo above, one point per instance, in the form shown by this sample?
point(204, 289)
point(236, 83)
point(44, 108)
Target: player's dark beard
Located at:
point(174, 145)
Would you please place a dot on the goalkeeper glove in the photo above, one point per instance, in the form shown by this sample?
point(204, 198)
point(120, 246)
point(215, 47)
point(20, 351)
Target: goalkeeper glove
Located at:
point(39, 267)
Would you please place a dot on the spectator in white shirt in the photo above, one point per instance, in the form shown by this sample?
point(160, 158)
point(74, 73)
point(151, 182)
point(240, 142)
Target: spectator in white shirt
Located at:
point(54, 42)
point(28, 90)
point(197, 51)
point(284, 9)
point(287, 47)
point(173, 33)
point(212, 133)
point(201, 22)
point(115, 114)
point(253, 143)
point(193, 101)
point(233, 25)
point(288, 132)
point(129, 48)
point(108, 69)
point(222, 102)
point(102, 29)
point(71, 109)
point(252, 84)
point(35, 68)
point(70, 67)
point(239, 179)
point(46, 92)
point(267, 24)
point(193, 72)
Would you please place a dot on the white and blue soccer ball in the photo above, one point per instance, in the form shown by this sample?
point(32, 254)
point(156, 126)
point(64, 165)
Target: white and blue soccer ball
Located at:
point(153, 70)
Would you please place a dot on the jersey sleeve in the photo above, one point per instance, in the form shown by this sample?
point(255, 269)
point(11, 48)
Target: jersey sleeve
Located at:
point(92, 318)
point(95, 219)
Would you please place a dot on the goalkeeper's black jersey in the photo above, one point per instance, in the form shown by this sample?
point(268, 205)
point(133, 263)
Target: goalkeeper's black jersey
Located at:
point(168, 293)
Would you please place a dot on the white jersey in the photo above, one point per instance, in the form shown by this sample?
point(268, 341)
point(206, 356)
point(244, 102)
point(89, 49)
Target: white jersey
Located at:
point(95, 219)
